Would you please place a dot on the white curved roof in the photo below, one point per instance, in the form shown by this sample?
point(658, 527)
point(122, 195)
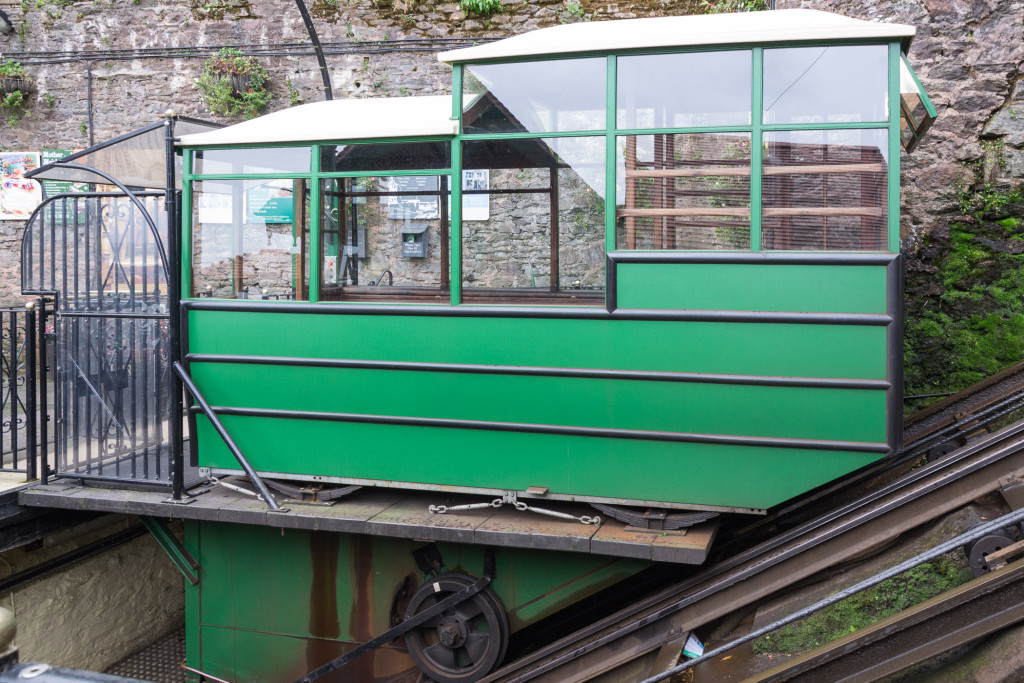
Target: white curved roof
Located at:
point(338, 120)
point(704, 29)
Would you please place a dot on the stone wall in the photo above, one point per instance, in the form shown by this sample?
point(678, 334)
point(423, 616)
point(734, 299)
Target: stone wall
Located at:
point(96, 612)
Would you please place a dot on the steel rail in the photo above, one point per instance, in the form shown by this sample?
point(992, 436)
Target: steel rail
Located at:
point(924, 423)
point(941, 549)
point(916, 498)
point(915, 635)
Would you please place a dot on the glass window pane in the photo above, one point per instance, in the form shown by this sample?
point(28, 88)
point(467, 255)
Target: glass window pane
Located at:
point(831, 84)
point(825, 190)
point(399, 156)
point(915, 117)
point(535, 97)
point(533, 221)
point(693, 89)
point(384, 238)
point(683, 191)
point(250, 239)
point(264, 160)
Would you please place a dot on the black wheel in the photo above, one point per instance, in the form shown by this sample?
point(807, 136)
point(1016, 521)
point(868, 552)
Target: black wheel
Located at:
point(978, 550)
point(464, 643)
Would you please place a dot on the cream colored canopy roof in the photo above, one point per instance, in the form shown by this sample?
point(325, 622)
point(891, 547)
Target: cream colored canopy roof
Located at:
point(338, 120)
point(706, 29)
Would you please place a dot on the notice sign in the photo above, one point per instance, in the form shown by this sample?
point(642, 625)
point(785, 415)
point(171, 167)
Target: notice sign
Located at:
point(475, 207)
point(19, 196)
point(270, 203)
point(56, 187)
point(413, 207)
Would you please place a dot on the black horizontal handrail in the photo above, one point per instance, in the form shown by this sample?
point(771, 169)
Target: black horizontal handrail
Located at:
point(563, 430)
point(539, 371)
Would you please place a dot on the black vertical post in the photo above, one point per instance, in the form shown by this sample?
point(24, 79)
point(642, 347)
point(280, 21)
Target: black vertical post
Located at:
point(12, 372)
point(315, 39)
point(173, 303)
point(32, 356)
point(44, 413)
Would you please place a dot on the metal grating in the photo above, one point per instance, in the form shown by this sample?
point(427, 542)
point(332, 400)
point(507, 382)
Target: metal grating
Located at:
point(159, 662)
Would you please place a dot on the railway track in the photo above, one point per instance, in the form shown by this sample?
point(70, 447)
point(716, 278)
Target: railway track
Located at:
point(963, 414)
point(742, 580)
point(962, 615)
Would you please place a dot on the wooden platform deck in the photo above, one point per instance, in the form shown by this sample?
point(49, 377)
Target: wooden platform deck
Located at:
point(398, 514)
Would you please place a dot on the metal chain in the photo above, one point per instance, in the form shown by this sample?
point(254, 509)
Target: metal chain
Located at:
point(509, 498)
point(217, 482)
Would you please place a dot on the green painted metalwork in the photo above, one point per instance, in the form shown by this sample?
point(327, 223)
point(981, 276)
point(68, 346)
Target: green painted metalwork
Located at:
point(756, 145)
point(570, 465)
point(315, 215)
point(784, 350)
point(318, 594)
point(455, 220)
point(894, 147)
point(186, 226)
point(609, 156)
point(170, 544)
point(745, 287)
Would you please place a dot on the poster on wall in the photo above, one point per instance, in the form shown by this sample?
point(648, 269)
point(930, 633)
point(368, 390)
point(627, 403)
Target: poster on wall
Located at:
point(475, 207)
point(19, 196)
point(413, 207)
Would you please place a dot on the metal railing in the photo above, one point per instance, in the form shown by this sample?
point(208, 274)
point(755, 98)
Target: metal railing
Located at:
point(98, 259)
point(18, 391)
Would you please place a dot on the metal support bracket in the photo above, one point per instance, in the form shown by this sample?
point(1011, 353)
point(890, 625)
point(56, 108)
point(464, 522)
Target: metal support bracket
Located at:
point(182, 559)
point(510, 498)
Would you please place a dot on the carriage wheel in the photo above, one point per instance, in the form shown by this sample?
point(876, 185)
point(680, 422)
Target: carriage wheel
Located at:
point(464, 643)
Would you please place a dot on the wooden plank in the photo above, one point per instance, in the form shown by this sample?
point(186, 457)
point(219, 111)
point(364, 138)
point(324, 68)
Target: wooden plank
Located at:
point(688, 211)
point(691, 172)
point(824, 168)
point(700, 171)
point(823, 211)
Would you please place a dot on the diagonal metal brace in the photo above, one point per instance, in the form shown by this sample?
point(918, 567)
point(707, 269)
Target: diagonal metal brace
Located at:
point(407, 625)
point(182, 558)
point(218, 426)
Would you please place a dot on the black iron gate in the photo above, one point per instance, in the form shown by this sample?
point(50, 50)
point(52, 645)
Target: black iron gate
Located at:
point(18, 354)
point(99, 261)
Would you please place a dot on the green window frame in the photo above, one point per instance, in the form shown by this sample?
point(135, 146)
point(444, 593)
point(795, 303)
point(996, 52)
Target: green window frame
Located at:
point(313, 178)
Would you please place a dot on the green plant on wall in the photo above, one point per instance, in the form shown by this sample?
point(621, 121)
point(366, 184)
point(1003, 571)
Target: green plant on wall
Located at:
point(483, 8)
point(717, 6)
point(14, 89)
point(965, 308)
point(233, 84)
point(11, 69)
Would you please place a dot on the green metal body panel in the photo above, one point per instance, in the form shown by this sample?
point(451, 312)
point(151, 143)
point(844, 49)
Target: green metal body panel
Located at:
point(568, 465)
point(742, 287)
point(272, 605)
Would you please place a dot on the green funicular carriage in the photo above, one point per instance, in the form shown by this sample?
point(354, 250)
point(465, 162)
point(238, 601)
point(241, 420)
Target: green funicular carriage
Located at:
point(646, 265)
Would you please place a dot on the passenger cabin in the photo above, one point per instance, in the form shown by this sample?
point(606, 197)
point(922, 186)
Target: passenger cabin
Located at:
point(652, 262)
point(641, 264)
